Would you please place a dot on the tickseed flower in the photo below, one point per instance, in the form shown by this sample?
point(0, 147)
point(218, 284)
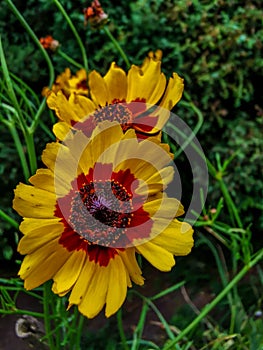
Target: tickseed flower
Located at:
point(100, 201)
point(68, 83)
point(49, 43)
point(125, 98)
point(95, 16)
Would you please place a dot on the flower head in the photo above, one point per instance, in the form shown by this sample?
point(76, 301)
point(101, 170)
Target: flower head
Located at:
point(100, 201)
point(95, 16)
point(127, 98)
point(68, 83)
point(49, 43)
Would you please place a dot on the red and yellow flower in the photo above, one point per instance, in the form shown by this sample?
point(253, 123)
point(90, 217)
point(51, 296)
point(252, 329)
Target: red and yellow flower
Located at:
point(117, 96)
point(68, 83)
point(100, 201)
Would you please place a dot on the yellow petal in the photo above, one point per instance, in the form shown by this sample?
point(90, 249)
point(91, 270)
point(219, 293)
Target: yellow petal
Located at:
point(130, 262)
point(81, 105)
point(33, 202)
point(43, 179)
point(148, 84)
point(104, 142)
point(177, 238)
point(61, 130)
point(67, 275)
point(156, 56)
point(145, 158)
point(163, 208)
point(117, 286)
point(95, 296)
point(173, 92)
point(157, 256)
point(42, 265)
point(60, 160)
point(98, 89)
point(49, 155)
point(29, 225)
point(116, 82)
point(156, 182)
point(59, 103)
point(37, 237)
point(82, 283)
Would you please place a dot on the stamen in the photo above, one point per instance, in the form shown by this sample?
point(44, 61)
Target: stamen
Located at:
point(101, 212)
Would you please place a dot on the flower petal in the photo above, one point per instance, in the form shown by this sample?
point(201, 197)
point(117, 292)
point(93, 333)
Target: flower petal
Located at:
point(163, 208)
point(117, 286)
point(67, 275)
point(59, 103)
point(61, 130)
point(130, 262)
point(157, 256)
point(33, 202)
point(43, 179)
point(95, 295)
point(82, 283)
point(177, 238)
point(39, 236)
point(42, 265)
point(148, 84)
point(116, 82)
point(81, 105)
point(173, 92)
point(98, 89)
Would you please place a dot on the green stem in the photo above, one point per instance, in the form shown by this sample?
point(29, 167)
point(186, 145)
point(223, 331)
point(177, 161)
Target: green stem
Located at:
point(116, 44)
point(46, 56)
point(25, 86)
point(69, 59)
point(217, 236)
point(220, 296)
point(19, 149)
point(230, 204)
point(224, 278)
point(35, 39)
point(161, 318)
point(21, 312)
point(198, 150)
point(212, 170)
point(10, 90)
point(72, 27)
point(29, 138)
point(8, 218)
point(140, 326)
point(121, 330)
point(47, 319)
point(196, 128)
point(34, 123)
point(79, 331)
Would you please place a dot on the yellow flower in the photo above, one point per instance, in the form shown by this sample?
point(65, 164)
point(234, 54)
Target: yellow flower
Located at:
point(100, 201)
point(68, 84)
point(125, 98)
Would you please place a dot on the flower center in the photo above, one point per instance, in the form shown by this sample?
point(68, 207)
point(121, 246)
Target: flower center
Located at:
point(101, 212)
point(114, 112)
